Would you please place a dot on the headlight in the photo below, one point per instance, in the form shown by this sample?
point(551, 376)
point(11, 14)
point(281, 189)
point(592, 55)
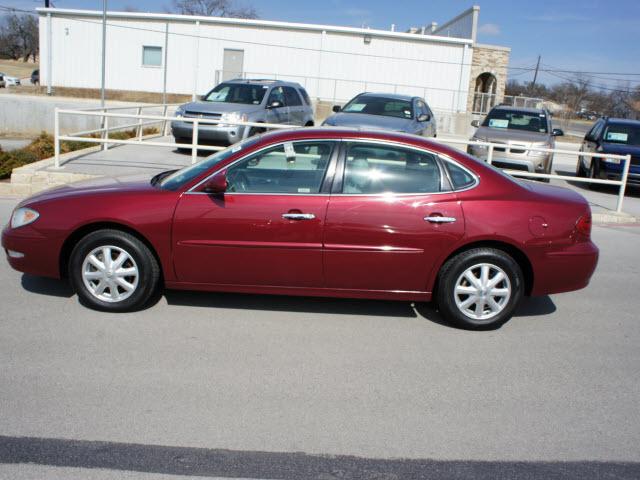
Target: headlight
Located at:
point(537, 153)
point(233, 117)
point(479, 147)
point(23, 216)
point(179, 112)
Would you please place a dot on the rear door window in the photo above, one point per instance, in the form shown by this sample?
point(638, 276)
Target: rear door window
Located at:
point(375, 169)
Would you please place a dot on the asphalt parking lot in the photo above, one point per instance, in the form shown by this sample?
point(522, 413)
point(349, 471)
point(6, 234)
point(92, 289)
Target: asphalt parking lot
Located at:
point(242, 386)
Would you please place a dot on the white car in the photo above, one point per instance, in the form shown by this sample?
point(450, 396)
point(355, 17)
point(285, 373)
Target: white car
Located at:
point(10, 81)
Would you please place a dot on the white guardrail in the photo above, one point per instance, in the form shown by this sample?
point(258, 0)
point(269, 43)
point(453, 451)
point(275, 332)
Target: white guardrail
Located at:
point(194, 146)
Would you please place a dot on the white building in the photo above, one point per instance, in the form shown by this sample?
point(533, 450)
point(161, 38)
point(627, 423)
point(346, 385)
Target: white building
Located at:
point(189, 55)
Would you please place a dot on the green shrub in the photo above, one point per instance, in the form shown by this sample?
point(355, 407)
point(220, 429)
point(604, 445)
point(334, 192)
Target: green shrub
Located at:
point(15, 159)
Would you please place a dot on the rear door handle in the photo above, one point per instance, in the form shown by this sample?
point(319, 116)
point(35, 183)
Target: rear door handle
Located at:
point(298, 216)
point(439, 219)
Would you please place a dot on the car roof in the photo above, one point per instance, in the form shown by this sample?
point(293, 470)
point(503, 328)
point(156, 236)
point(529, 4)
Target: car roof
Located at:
point(263, 81)
point(623, 121)
point(519, 109)
point(395, 96)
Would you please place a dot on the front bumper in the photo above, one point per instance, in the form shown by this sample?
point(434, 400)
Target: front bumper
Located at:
point(219, 133)
point(39, 254)
point(613, 171)
point(566, 269)
point(514, 161)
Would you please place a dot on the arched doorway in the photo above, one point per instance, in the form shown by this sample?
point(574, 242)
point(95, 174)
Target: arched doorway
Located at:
point(485, 92)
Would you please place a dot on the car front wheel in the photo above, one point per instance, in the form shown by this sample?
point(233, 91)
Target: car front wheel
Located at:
point(480, 289)
point(113, 271)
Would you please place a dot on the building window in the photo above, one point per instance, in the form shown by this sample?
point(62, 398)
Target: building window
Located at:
point(151, 56)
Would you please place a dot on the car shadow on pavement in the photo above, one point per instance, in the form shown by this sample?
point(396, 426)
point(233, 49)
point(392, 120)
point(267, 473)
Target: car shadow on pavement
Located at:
point(46, 286)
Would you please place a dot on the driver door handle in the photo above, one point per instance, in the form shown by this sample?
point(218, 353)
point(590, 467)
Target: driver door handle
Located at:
point(298, 216)
point(439, 219)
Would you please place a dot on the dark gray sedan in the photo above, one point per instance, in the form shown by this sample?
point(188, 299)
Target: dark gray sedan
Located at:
point(386, 111)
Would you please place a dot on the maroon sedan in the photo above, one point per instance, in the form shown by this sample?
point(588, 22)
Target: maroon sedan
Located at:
point(323, 212)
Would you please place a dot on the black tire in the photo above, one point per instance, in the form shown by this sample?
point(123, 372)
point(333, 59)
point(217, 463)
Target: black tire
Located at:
point(256, 131)
point(146, 281)
point(580, 169)
point(594, 172)
point(451, 274)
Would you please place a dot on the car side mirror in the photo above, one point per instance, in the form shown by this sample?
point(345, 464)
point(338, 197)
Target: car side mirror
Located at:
point(216, 185)
point(424, 117)
point(336, 108)
point(275, 104)
point(475, 123)
point(557, 132)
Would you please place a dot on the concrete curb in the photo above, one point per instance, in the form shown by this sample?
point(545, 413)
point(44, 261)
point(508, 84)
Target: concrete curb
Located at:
point(613, 217)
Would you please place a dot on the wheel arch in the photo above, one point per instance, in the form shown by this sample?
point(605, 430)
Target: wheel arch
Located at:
point(517, 254)
point(82, 231)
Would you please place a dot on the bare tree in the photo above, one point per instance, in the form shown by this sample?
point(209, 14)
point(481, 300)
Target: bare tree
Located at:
point(214, 8)
point(19, 37)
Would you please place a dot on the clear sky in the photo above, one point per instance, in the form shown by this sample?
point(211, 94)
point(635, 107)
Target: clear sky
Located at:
point(586, 35)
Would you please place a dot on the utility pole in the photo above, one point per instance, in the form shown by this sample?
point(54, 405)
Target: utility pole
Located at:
point(535, 75)
point(104, 50)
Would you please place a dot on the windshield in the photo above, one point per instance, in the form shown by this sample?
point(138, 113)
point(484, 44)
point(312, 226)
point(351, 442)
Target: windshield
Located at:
point(516, 120)
point(622, 134)
point(237, 93)
point(186, 174)
point(374, 105)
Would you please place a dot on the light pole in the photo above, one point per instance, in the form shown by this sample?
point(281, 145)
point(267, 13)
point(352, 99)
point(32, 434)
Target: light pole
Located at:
point(104, 49)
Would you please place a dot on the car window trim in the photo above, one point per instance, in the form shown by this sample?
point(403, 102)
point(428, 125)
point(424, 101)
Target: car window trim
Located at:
point(339, 180)
point(332, 161)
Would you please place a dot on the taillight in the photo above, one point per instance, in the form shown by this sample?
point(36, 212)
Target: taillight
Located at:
point(583, 226)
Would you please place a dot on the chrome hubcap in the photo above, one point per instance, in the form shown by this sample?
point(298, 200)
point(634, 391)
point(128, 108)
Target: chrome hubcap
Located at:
point(482, 291)
point(110, 274)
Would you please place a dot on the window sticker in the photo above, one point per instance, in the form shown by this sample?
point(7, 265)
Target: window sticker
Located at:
point(304, 190)
point(289, 151)
point(617, 136)
point(498, 123)
point(356, 107)
point(221, 95)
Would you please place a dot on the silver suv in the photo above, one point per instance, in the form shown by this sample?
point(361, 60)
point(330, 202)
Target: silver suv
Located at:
point(518, 129)
point(260, 101)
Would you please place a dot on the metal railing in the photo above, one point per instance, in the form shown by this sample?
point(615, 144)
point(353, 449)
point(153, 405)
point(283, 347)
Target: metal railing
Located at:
point(140, 118)
point(622, 183)
point(483, 102)
point(194, 146)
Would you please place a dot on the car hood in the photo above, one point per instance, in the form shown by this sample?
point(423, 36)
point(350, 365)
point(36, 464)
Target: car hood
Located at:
point(506, 135)
point(617, 149)
point(219, 107)
point(121, 184)
point(364, 120)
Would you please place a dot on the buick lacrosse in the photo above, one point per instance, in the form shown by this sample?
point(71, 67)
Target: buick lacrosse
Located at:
point(319, 212)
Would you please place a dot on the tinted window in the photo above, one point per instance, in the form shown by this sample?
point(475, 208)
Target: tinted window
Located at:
point(305, 96)
point(624, 134)
point(459, 177)
point(375, 105)
point(516, 120)
point(276, 95)
point(372, 169)
point(297, 167)
point(237, 93)
point(291, 97)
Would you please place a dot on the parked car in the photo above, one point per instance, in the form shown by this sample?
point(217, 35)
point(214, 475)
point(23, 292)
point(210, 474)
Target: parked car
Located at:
point(260, 101)
point(518, 129)
point(386, 111)
point(618, 137)
point(35, 77)
point(10, 81)
point(2, 84)
point(321, 212)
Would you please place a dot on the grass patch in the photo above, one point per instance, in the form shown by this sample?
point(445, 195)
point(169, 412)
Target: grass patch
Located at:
point(43, 147)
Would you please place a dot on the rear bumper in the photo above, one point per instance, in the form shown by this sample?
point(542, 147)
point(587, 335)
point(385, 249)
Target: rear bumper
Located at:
point(230, 134)
point(566, 269)
point(31, 252)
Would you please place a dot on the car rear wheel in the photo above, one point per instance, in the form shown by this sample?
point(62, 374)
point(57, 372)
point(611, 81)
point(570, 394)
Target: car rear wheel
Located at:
point(113, 271)
point(479, 289)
